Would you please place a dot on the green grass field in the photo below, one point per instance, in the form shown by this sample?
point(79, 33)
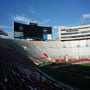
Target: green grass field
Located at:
point(74, 75)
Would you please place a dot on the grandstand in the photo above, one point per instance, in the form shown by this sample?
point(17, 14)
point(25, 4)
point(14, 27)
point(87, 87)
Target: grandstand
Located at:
point(3, 33)
point(58, 51)
point(18, 72)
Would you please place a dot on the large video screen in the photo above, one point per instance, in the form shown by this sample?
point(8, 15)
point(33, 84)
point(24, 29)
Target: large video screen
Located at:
point(23, 31)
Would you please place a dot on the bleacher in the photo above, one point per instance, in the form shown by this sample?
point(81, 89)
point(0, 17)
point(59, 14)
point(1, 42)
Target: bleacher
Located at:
point(14, 76)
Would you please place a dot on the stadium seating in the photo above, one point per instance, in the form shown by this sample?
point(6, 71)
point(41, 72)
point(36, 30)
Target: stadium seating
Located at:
point(12, 77)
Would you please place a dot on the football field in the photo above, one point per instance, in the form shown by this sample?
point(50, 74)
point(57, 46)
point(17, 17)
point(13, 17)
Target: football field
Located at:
point(76, 75)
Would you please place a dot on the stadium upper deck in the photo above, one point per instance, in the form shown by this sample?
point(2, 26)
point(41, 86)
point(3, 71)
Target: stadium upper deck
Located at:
point(76, 32)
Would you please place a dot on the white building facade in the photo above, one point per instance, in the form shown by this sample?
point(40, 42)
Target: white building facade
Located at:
point(74, 33)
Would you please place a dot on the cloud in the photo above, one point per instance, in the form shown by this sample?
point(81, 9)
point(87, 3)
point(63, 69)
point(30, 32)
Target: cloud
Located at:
point(5, 27)
point(21, 18)
point(86, 16)
point(28, 20)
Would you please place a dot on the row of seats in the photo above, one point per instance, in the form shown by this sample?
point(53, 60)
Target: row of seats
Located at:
point(13, 78)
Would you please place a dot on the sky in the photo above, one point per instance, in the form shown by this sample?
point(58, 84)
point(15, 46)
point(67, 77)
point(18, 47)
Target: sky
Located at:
point(52, 13)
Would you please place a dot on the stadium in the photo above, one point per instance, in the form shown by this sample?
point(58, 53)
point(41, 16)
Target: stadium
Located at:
point(32, 61)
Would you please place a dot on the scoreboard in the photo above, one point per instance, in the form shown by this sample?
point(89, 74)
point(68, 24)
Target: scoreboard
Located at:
point(32, 31)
